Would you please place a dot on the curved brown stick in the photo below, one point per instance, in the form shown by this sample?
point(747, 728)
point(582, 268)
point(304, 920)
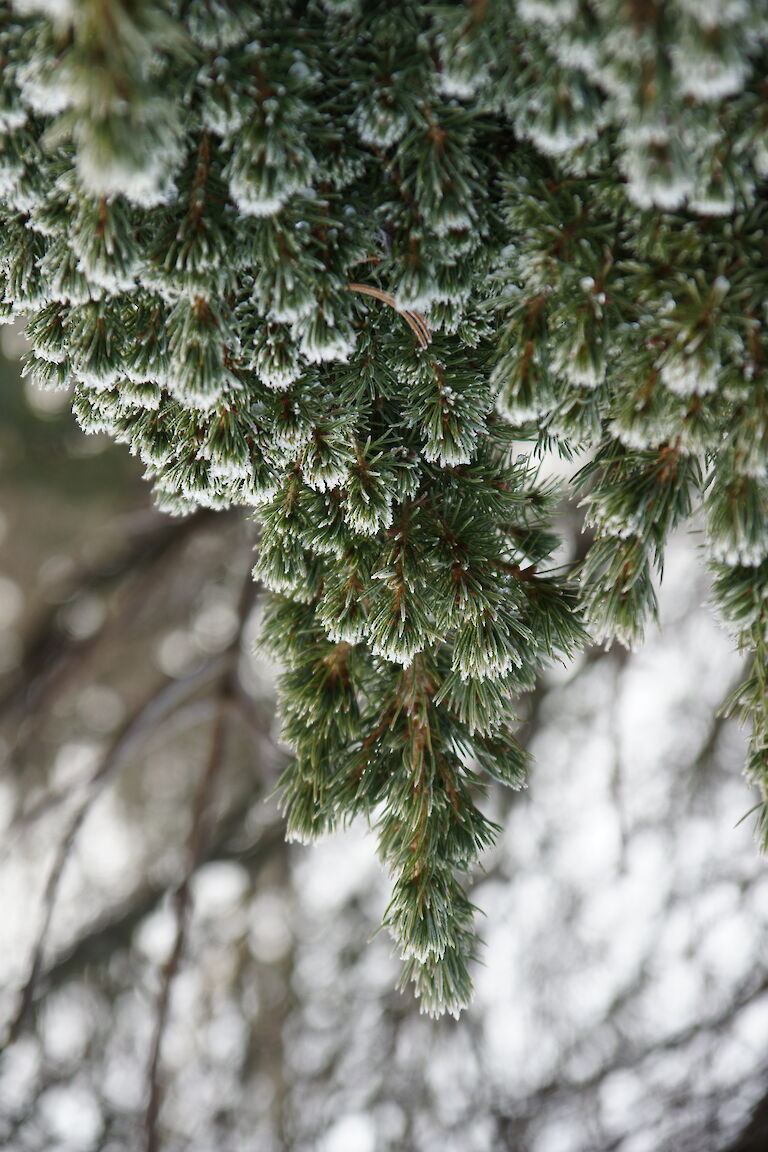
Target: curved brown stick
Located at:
point(414, 320)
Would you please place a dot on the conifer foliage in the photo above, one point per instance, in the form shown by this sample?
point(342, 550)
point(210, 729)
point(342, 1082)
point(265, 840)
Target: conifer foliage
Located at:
point(339, 261)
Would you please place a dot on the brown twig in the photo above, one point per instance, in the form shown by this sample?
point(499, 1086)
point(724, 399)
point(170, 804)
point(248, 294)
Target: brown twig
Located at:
point(172, 705)
point(230, 841)
point(143, 720)
point(197, 846)
point(414, 320)
point(51, 654)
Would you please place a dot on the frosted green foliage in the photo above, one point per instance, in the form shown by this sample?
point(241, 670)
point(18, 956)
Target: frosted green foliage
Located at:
point(341, 262)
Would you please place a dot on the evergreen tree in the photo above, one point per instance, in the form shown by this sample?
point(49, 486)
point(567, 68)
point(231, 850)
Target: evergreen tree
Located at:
point(354, 265)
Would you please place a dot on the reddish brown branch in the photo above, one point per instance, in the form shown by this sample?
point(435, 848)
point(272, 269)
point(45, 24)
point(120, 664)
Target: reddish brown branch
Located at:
point(414, 320)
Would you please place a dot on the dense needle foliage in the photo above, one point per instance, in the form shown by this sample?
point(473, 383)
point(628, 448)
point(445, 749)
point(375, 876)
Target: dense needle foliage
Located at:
point(342, 261)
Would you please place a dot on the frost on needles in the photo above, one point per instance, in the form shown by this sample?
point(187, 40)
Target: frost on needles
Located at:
point(341, 262)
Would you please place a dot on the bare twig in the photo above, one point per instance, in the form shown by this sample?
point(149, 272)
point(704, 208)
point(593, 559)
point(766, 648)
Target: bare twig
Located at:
point(197, 843)
point(51, 654)
point(156, 709)
point(198, 838)
point(114, 931)
point(145, 717)
point(630, 1056)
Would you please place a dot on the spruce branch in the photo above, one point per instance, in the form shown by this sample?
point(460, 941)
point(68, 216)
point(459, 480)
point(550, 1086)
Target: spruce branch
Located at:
point(574, 231)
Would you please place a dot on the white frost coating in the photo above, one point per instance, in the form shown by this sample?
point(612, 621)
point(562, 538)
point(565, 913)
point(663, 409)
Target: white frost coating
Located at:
point(48, 376)
point(219, 32)
point(108, 279)
point(369, 525)
point(201, 494)
point(290, 439)
point(292, 313)
point(46, 95)
point(518, 413)
point(12, 118)
point(251, 203)
point(720, 288)
point(550, 13)
point(9, 179)
point(22, 200)
point(535, 270)
point(652, 131)
point(231, 469)
point(106, 175)
point(456, 220)
point(331, 345)
point(687, 375)
point(737, 627)
point(648, 190)
point(49, 352)
point(398, 649)
point(583, 376)
point(95, 423)
point(380, 127)
point(148, 374)
point(607, 632)
point(59, 11)
point(455, 86)
point(716, 13)
point(713, 205)
point(98, 381)
point(325, 547)
point(201, 400)
point(588, 374)
point(760, 156)
point(636, 437)
point(485, 664)
point(253, 494)
point(421, 301)
point(564, 138)
point(324, 478)
point(276, 377)
point(150, 401)
point(580, 55)
point(342, 631)
point(621, 526)
point(707, 77)
point(27, 302)
point(447, 455)
point(423, 952)
point(219, 120)
point(341, 7)
point(279, 581)
point(752, 460)
point(736, 550)
point(301, 71)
